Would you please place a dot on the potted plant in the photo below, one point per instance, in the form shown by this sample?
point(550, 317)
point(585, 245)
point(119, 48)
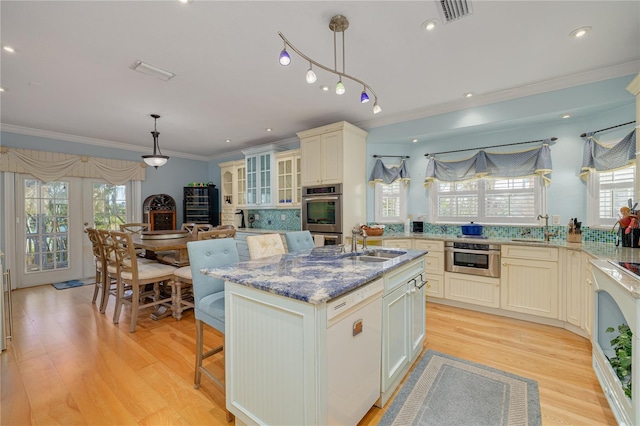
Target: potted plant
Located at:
point(621, 362)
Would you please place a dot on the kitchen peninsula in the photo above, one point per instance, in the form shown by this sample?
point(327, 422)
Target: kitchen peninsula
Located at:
point(318, 337)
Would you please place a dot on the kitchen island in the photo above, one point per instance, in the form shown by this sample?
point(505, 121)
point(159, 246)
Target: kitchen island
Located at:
point(319, 339)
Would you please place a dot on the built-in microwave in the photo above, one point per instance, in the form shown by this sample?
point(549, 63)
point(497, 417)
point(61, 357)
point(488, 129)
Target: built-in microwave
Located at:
point(322, 209)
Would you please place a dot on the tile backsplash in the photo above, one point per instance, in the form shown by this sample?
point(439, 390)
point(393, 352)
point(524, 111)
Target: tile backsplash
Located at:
point(276, 219)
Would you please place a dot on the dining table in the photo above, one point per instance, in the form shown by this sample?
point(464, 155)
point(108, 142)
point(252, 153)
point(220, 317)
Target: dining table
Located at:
point(153, 242)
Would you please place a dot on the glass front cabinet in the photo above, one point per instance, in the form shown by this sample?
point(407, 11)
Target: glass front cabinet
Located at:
point(289, 191)
point(201, 205)
point(260, 177)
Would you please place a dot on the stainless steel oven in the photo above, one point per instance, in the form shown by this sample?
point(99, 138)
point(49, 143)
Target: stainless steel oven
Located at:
point(322, 209)
point(472, 258)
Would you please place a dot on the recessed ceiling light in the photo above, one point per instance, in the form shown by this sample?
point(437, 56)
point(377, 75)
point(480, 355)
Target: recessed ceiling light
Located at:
point(9, 49)
point(468, 94)
point(414, 140)
point(2, 89)
point(429, 24)
point(579, 32)
point(324, 88)
point(268, 129)
point(185, 1)
point(566, 115)
point(227, 140)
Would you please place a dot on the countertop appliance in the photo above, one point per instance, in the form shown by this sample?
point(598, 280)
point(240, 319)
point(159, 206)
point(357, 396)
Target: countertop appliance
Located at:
point(472, 258)
point(239, 219)
point(322, 211)
point(354, 339)
point(417, 227)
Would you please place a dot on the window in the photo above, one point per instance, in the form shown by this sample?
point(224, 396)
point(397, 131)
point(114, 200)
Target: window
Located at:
point(390, 202)
point(607, 192)
point(488, 200)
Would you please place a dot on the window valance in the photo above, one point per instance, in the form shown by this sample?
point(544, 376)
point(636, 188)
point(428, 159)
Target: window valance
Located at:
point(387, 175)
point(531, 162)
point(50, 166)
point(598, 157)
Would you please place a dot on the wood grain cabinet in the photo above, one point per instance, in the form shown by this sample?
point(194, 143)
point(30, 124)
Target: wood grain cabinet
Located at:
point(529, 280)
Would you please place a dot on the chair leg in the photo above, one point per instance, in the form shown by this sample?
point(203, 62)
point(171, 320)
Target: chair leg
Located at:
point(119, 300)
point(199, 350)
point(96, 287)
point(106, 288)
point(135, 301)
point(176, 299)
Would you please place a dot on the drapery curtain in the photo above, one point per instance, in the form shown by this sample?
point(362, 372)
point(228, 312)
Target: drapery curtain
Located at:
point(597, 157)
point(50, 166)
point(387, 175)
point(531, 162)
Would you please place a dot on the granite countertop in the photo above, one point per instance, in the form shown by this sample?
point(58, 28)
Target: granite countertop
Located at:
point(309, 277)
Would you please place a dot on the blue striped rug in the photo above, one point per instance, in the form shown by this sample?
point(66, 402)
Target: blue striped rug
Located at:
point(444, 390)
point(69, 284)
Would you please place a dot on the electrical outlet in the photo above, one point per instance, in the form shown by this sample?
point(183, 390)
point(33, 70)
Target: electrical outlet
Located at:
point(283, 217)
point(556, 219)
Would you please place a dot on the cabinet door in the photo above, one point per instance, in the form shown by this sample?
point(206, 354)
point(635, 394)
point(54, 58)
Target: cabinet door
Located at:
point(530, 287)
point(395, 345)
point(241, 184)
point(589, 289)
point(310, 160)
point(435, 285)
point(405, 244)
point(483, 291)
point(265, 184)
point(574, 288)
point(286, 181)
point(252, 180)
point(331, 155)
point(417, 319)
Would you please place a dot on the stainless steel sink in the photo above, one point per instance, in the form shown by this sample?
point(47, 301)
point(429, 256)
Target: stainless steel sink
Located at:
point(385, 254)
point(528, 240)
point(369, 259)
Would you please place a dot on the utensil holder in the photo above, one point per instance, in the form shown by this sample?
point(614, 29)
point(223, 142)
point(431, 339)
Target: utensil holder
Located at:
point(574, 237)
point(632, 239)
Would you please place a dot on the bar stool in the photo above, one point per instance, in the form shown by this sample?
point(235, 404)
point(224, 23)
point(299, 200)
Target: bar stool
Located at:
point(299, 240)
point(264, 245)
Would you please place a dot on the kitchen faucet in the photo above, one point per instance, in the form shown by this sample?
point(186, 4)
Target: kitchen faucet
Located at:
point(354, 239)
point(547, 234)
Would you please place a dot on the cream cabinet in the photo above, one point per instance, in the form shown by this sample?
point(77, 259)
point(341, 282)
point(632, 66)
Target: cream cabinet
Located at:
point(474, 289)
point(241, 183)
point(573, 286)
point(589, 292)
point(529, 280)
point(403, 243)
point(434, 266)
point(333, 154)
point(228, 183)
point(289, 189)
point(260, 176)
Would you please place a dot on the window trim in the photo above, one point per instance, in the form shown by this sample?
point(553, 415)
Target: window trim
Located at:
point(593, 199)
point(378, 203)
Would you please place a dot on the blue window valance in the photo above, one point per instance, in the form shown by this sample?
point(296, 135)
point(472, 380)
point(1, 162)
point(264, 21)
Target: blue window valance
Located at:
point(597, 157)
point(387, 175)
point(531, 162)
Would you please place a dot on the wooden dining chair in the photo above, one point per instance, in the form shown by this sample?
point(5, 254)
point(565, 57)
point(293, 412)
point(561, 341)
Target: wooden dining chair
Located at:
point(134, 275)
point(101, 276)
point(134, 228)
point(264, 245)
point(208, 295)
point(195, 228)
point(217, 233)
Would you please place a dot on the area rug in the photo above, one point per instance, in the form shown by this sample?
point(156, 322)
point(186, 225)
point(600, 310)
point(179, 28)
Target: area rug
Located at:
point(444, 390)
point(69, 284)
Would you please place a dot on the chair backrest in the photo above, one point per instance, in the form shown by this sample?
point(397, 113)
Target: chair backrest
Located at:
point(134, 228)
point(195, 228)
point(299, 240)
point(217, 233)
point(96, 245)
point(264, 245)
point(209, 254)
point(108, 247)
point(224, 227)
point(126, 259)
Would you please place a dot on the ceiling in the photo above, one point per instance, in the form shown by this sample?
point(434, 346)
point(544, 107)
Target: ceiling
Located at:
point(71, 73)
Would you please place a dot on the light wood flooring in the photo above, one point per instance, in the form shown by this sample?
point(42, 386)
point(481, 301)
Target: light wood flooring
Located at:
point(69, 364)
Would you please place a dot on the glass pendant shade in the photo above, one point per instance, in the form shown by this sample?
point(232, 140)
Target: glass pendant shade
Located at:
point(157, 159)
point(285, 59)
point(376, 108)
point(340, 88)
point(364, 98)
point(311, 76)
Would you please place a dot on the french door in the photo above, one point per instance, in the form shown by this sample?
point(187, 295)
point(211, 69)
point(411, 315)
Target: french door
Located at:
point(51, 245)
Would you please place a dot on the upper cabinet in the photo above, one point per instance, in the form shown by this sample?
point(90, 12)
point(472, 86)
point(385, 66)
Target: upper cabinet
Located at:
point(227, 186)
point(289, 190)
point(240, 174)
point(328, 153)
point(260, 176)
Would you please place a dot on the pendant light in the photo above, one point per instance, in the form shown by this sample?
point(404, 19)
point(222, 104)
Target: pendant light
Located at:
point(157, 159)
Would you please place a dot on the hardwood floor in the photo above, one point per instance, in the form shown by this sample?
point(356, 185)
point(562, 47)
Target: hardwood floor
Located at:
point(69, 364)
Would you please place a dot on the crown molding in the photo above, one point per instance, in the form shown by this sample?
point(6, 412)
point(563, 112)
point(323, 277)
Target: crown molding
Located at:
point(10, 128)
point(564, 82)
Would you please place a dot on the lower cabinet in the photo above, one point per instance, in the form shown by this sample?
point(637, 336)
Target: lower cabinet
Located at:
point(574, 287)
point(473, 289)
point(589, 292)
point(434, 266)
point(403, 325)
point(528, 285)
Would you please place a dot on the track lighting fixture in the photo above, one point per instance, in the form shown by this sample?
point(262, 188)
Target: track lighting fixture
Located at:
point(157, 159)
point(338, 24)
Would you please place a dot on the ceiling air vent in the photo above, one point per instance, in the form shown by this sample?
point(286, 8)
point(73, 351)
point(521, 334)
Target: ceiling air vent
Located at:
point(452, 10)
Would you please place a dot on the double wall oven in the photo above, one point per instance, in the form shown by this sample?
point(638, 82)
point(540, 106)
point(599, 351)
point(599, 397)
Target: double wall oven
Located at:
point(322, 212)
